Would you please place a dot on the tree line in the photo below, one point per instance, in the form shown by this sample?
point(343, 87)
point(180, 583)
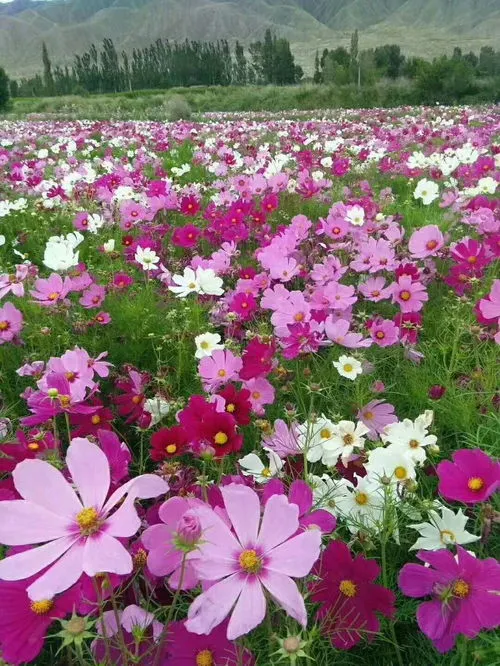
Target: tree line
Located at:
point(164, 64)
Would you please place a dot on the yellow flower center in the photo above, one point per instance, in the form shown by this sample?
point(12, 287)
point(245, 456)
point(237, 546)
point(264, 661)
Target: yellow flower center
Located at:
point(475, 484)
point(4, 325)
point(348, 440)
point(205, 658)
point(405, 295)
point(447, 537)
point(256, 395)
point(171, 448)
point(96, 419)
point(414, 443)
point(204, 344)
point(461, 589)
point(54, 296)
point(221, 438)
point(348, 588)
point(400, 473)
point(348, 367)
point(65, 400)
point(250, 561)
point(299, 316)
point(361, 499)
point(368, 416)
point(33, 446)
point(140, 559)
point(137, 399)
point(222, 373)
point(191, 285)
point(325, 433)
point(266, 472)
point(230, 408)
point(88, 521)
point(42, 607)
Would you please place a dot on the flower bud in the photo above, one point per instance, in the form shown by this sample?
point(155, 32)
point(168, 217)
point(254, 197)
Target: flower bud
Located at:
point(292, 644)
point(189, 528)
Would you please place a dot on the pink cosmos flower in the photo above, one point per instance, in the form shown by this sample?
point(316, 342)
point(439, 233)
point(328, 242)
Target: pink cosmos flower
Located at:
point(93, 297)
point(131, 212)
point(374, 289)
point(469, 252)
point(465, 595)
point(384, 332)
point(51, 291)
point(301, 494)
point(376, 415)
point(489, 307)
point(426, 242)
point(11, 322)
point(261, 393)
point(338, 331)
point(302, 339)
point(219, 369)
point(14, 283)
point(340, 296)
point(260, 554)
point(80, 532)
point(472, 477)
point(410, 296)
point(74, 365)
point(173, 538)
point(284, 440)
point(24, 623)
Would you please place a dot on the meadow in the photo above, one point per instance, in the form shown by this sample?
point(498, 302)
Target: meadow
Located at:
point(250, 387)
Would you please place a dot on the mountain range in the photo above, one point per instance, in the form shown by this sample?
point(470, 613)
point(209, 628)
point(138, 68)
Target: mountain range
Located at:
point(421, 27)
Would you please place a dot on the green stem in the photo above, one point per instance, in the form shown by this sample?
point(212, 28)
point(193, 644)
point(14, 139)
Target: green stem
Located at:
point(121, 638)
point(164, 633)
point(384, 578)
point(107, 648)
point(463, 651)
point(68, 427)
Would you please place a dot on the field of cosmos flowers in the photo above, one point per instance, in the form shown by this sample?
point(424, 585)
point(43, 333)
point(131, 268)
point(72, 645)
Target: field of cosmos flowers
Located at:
point(250, 394)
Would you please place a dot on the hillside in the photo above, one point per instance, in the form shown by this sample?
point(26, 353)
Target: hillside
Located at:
point(422, 27)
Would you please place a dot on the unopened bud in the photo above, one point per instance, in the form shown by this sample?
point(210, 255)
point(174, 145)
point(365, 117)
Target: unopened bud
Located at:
point(189, 528)
point(292, 644)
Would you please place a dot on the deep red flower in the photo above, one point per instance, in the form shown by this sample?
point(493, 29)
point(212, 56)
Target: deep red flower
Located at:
point(257, 360)
point(189, 205)
point(237, 404)
point(168, 443)
point(349, 597)
point(89, 424)
point(244, 305)
point(131, 402)
point(409, 324)
point(206, 427)
point(186, 237)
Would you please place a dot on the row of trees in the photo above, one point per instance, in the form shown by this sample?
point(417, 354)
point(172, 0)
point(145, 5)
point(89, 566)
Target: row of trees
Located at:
point(164, 64)
point(341, 66)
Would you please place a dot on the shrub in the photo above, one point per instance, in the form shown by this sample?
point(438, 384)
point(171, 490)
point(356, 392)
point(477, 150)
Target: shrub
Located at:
point(4, 90)
point(177, 108)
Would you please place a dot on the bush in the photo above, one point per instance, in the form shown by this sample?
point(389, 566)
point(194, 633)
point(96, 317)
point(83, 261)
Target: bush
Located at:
point(4, 90)
point(177, 108)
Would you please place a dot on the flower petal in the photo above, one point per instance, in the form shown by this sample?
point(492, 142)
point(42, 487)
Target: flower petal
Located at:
point(25, 564)
point(249, 611)
point(286, 593)
point(279, 523)
point(145, 486)
point(124, 522)
point(89, 468)
point(243, 508)
point(61, 575)
point(105, 553)
point(23, 523)
point(41, 483)
point(296, 556)
point(210, 608)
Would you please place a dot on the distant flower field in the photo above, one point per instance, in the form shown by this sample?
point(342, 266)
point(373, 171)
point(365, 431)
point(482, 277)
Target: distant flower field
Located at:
point(250, 390)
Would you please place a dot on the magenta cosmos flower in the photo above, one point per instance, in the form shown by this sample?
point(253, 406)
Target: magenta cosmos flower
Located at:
point(472, 477)
point(186, 649)
point(80, 532)
point(11, 322)
point(465, 594)
point(219, 369)
point(426, 241)
point(349, 597)
point(24, 623)
point(259, 554)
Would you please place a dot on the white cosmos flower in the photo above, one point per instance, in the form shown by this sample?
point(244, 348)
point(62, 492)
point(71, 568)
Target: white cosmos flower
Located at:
point(442, 531)
point(157, 407)
point(349, 367)
point(60, 253)
point(209, 283)
point(2, 240)
point(109, 246)
point(356, 215)
point(312, 437)
point(147, 258)
point(328, 492)
point(206, 344)
point(94, 222)
point(410, 436)
point(347, 436)
point(487, 185)
point(185, 284)
point(252, 465)
point(363, 505)
point(392, 463)
point(427, 191)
